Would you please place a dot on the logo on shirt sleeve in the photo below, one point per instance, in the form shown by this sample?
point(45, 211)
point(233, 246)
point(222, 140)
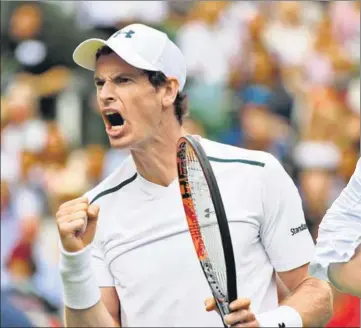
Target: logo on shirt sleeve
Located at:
point(296, 230)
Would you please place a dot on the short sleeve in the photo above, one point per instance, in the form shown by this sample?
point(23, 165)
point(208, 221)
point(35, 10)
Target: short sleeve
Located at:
point(284, 232)
point(340, 230)
point(100, 267)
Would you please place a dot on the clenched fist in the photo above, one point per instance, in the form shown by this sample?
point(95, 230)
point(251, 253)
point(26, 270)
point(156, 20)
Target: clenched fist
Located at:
point(77, 222)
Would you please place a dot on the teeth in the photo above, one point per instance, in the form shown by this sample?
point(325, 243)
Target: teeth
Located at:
point(116, 127)
point(110, 112)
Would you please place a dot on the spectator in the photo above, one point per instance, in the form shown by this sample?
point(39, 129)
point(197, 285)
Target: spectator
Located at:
point(11, 316)
point(281, 77)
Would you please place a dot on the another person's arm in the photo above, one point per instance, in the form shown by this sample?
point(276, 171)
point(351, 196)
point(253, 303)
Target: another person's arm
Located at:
point(338, 250)
point(347, 276)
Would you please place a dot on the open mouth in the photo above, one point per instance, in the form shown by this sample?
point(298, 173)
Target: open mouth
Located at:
point(114, 119)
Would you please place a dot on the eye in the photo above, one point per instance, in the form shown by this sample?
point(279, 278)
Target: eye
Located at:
point(99, 83)
point(122, 80)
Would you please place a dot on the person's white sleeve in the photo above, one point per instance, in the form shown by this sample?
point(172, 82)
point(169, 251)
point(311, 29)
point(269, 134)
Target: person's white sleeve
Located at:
point(339, 233)
point(284, 232)
point(100, 267)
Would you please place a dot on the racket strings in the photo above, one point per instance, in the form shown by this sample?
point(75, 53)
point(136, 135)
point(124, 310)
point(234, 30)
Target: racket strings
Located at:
point(208, 225)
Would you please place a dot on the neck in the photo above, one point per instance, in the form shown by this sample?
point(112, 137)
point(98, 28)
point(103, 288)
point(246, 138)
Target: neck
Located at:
point(156, 160)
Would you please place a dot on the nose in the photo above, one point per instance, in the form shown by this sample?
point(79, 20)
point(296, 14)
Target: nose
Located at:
point(107, 93)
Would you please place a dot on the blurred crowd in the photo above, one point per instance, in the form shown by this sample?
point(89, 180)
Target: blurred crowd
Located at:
point(277, 76)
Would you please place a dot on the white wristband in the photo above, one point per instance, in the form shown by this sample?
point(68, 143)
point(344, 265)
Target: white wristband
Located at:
point(81, 290)
point(283, 316)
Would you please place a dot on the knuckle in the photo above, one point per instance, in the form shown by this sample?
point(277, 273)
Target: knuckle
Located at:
point(79, 199)
point(77, 223)
point(83, 199)
point(81, 214)
point(241, 318)
point(62, 222)
point(63, 205)
point(242, 314)
point(84, 207)
point(59, 213)
point(241, 302)
point(59, 218)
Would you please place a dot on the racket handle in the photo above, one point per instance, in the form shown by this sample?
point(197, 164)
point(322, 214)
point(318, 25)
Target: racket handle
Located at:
point(223, 310)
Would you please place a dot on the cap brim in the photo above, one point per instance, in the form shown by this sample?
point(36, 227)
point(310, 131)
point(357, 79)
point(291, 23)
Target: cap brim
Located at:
point(84, 54)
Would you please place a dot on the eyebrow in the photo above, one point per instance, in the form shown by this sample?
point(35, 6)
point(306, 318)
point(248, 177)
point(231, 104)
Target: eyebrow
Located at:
point(116, 76)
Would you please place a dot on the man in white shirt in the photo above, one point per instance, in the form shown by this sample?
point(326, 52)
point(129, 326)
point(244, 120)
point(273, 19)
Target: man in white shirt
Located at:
point(338, 250)
point(126, 253)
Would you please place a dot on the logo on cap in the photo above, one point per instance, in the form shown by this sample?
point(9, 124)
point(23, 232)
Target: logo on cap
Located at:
point(127, 34)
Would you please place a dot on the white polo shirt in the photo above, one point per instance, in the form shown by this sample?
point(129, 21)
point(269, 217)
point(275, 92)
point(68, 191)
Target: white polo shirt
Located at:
point(143, 247)
point(339, 233)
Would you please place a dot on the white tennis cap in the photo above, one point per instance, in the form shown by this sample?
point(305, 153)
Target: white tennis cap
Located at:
point(140, 46)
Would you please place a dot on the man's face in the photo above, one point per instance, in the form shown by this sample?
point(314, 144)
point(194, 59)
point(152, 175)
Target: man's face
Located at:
point(20, 103)
point(123, 89)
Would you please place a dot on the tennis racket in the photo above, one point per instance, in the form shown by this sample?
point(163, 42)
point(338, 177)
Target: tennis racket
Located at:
point(207, 221)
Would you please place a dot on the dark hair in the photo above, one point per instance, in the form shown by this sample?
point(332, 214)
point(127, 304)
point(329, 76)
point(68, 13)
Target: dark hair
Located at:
point(157, 79)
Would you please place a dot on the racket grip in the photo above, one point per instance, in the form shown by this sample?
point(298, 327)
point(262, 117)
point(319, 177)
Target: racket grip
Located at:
point(223, 310)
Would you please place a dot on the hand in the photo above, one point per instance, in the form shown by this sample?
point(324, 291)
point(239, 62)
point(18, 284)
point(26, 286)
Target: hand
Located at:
point(241, 315)
point(76, 221)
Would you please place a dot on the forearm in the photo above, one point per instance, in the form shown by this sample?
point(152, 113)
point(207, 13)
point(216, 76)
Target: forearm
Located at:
point(96, 316)
point(347, 276)
point(313, 301)
point(84, 304)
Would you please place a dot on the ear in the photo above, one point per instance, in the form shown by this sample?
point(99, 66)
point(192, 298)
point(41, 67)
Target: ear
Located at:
point(170, 92)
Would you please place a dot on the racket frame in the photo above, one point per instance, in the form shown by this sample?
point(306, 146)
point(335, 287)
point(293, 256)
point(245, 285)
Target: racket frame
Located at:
point(220, 212)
